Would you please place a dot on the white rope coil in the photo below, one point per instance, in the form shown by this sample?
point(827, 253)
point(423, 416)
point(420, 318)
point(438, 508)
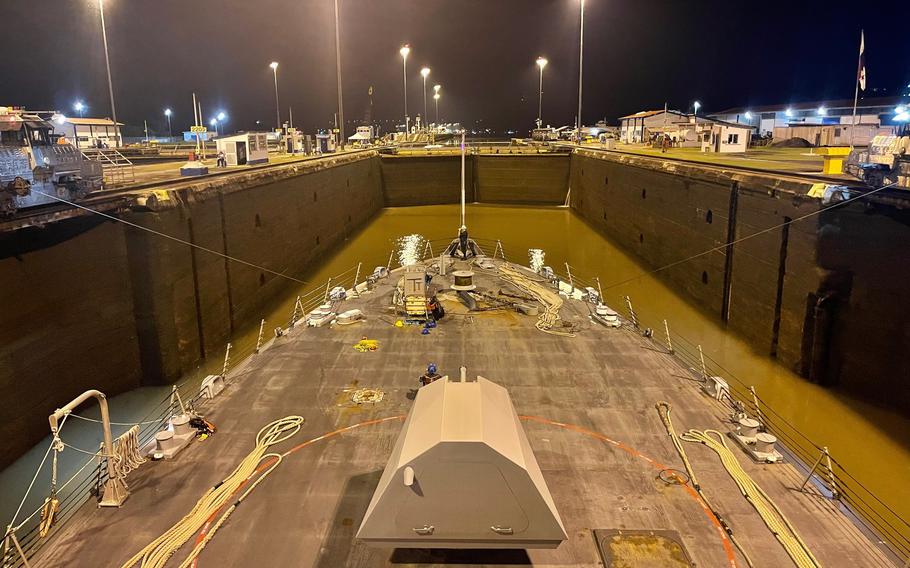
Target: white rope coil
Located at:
point(773, 517)
point(157, 553)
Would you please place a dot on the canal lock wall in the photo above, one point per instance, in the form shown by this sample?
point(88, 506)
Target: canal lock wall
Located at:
point(91, 303)
point(823, 295)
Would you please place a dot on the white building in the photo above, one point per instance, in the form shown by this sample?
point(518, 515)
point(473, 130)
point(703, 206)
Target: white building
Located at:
point(765, 120)
point(246, 148)
point(89, 132)
point(724, 137)
point(636, 127)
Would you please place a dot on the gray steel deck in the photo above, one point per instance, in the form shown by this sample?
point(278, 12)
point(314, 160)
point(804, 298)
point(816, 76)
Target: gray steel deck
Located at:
point(605, 381)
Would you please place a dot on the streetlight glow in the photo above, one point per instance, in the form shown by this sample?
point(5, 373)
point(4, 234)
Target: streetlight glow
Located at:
point(541, 62)
point(436, 88)
point(274, 66)
point(748, 115)
point(822, 111)
point(221, 116)
point(404, 51)
point(79, 107)
point(425, 72)
point(168, 113)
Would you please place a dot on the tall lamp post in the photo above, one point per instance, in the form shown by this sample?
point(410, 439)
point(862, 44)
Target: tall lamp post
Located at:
point(107, 62)
point(274, 67)
point(436, 95)
point(541, 62)
point(341, 138)
point(425, 72)
point(696, 105)
point(581, 53)
point(168, 113)
point(79, 107)
point(404, 51)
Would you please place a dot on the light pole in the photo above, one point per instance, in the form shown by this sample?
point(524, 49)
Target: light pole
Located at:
point(696, 105)
point(341, 138)
point(168, 113)
point(581, 53)
point(541, 62)
point(214, 123)
point(221, 118)
point(404, 51)
point(79, 107)
point(274, 66)
point(425, 72)
point(436, 95)
point(107, 62)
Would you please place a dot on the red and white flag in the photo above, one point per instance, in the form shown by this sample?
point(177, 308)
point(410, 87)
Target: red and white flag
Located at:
point(861, 77)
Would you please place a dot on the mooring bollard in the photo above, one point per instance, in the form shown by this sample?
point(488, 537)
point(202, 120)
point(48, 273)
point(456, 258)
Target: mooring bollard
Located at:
point(669, 341)
point(259, 339)
point(227, 358)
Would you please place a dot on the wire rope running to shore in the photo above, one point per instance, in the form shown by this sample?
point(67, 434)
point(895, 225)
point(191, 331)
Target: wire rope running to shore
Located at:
point(157, 552)
point(175, 239)
point(770, 513)
point(745, 238)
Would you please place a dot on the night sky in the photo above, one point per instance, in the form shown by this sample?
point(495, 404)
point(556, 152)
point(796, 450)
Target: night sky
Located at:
point(638, 54)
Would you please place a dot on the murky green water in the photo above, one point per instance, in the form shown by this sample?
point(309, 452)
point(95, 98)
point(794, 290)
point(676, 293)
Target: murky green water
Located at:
point(871, 443)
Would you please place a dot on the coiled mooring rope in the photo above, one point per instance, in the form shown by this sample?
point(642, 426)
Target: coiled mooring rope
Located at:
point(157, 553)
point(769, 512)
point(663, 409)
point(551, 300)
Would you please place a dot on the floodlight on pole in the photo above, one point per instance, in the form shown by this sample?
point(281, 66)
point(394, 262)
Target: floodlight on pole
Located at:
point(79, 107)
point(696, 105)
point(425, 72)
point(168, 113)
point(436, 97)
point(404, 51)
point(107, 62)
point(274, 66)
point(581, 54)
point(541, 62)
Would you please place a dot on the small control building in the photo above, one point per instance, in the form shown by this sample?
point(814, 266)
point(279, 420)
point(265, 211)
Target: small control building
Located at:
point(246, 148)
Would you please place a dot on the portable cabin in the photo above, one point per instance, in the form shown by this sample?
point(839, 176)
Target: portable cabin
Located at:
point(246, 148)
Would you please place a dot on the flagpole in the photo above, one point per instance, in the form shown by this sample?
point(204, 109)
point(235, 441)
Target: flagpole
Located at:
point(859, 63)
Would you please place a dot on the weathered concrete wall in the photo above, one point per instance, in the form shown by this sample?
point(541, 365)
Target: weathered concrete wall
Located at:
point(813, 293)
point(523, 179)
point(112, 307)
point(66, 324)
point(425, 180)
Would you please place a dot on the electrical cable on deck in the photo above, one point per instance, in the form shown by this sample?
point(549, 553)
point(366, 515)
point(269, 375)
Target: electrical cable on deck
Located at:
point(770, 513)
point(157, 553)
point(663, 409)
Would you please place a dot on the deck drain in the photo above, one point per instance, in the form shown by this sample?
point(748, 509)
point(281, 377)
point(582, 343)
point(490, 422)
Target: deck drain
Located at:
point(641, 549)
point(363, 396)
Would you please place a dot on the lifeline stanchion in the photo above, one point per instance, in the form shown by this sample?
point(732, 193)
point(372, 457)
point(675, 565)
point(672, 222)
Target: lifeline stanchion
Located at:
point(259, 339)
point(328, 286)
point(298, 311)
point(758, 413)
point(388, 265)
point(11, 537)
point(704, 368)
point(571, 281)
point(227, 359)
point(632, 315)
point(824, 455)
point(356, 278)
point(499, 250)
point(600, 293)
point(667, 329)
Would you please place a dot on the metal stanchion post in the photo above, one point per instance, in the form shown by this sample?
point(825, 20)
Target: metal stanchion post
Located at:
point(227, 358)
point(259, 339)
point(669, 341)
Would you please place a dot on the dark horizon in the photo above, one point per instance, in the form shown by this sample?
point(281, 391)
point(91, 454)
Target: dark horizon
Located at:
point(482, 53)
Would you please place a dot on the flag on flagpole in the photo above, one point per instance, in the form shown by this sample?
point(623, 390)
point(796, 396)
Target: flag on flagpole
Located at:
point(861, 77)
